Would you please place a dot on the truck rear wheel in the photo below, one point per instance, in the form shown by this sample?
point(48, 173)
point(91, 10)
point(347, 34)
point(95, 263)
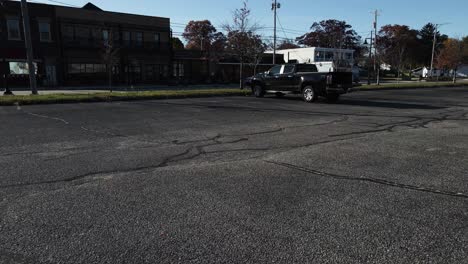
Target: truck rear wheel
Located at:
point(309, 94)
point(258, 91)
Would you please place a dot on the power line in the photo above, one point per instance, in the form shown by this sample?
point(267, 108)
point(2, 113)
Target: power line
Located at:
point(62, 3)
point(279, 21)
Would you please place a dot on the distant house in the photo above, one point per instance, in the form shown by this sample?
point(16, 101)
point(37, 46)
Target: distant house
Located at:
point(425, 72)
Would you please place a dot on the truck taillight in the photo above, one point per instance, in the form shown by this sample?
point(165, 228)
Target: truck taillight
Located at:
point(329, 79)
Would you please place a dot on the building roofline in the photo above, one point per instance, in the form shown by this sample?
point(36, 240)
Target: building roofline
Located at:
point(308, 49)
point(87, 10)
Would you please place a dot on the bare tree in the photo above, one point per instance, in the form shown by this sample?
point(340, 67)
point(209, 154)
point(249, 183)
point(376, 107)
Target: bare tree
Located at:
point(242, 38)
point(110, 56)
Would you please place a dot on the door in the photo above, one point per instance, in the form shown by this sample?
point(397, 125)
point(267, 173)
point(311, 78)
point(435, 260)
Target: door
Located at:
point(287, 78)
point(272, 80)
point(51, 75)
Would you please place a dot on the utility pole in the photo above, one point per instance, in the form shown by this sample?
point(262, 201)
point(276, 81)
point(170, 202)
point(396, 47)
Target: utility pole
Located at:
point(434, 45)
point(28, 44)
point(433, 49)
point(370, 58)
point(275, 6)
point(376, 69)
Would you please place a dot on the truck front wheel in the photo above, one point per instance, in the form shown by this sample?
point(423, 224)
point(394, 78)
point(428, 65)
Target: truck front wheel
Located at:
point(309, 94)
point(258, 91)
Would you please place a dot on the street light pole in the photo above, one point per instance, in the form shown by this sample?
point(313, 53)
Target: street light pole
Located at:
point(28, 44)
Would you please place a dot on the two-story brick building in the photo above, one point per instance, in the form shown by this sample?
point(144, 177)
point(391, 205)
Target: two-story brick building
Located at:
point(70, 46)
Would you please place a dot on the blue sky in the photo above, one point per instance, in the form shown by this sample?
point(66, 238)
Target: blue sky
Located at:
point(297, 15)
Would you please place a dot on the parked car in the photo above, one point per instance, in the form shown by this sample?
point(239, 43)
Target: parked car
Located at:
point(303, 79)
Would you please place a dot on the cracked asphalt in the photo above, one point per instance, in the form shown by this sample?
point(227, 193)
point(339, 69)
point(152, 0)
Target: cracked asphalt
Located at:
point(381, 177)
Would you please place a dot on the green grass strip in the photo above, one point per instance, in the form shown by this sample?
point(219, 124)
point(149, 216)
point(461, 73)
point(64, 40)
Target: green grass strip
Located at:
point(116, 96)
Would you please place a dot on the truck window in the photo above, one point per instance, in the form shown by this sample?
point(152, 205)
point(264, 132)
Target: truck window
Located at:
point(288, 69)
point(275, 70)
point(307, 68)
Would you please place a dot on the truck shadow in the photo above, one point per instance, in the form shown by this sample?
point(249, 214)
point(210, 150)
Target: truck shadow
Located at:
point(365, 103)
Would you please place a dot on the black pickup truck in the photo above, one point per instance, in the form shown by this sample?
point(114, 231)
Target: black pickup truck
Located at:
point(303, 79)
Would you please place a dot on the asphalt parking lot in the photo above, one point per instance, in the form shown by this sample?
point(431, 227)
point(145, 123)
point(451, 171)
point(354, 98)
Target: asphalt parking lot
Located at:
point(380, 177)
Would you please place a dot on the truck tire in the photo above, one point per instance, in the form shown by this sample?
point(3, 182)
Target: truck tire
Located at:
point(333, 98)
point(258, 91)
point(309, 95)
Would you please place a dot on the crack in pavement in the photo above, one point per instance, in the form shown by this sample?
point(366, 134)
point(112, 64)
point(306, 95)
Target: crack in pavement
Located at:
point(414, 123)
point(166, 161)
point(371, 180)
point(176, 158)
point(197, 150)
point(273, 131)
point(47, 117)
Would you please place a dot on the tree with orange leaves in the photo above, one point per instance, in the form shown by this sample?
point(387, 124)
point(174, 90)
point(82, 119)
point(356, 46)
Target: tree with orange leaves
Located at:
point(450, 57)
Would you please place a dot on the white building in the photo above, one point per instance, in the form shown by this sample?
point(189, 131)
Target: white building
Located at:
point(462, 71)
point(426, 72)
point(326, 59)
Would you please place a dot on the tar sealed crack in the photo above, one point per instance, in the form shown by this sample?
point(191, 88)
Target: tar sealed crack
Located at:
point(371, 180)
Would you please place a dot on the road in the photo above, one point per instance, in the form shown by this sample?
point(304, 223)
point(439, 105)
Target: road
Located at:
point(380, 177)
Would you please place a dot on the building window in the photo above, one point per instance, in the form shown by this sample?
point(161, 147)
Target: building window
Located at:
point(82, 33)
point(139, 39)
point(157, 39)
point(44, 32)
point(126, 38)
point(163, 71)
point(150, 72)
point(13, 29)
point(329, 56)
point(20, 68)
point(319, 56)
point(179, 70)
point(105, 35)
point(76, 68)
point(69, 32)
